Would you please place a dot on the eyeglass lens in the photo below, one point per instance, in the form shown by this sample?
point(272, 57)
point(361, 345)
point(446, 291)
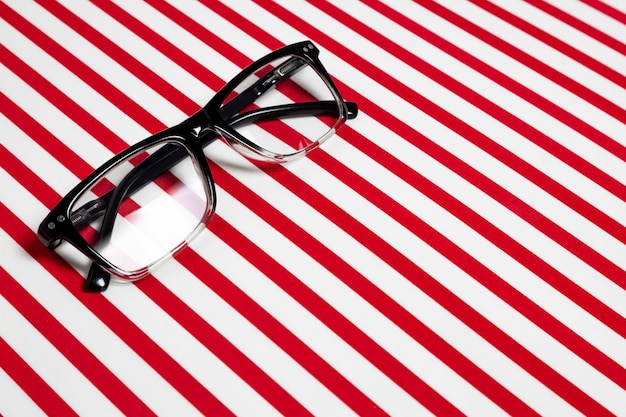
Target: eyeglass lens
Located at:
point(294, 108)
point(154, 218)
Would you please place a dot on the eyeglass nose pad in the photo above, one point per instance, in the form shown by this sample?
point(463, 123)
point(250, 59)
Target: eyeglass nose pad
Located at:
point(97, 279)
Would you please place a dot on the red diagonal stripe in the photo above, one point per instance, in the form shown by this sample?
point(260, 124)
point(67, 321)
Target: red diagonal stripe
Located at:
point(527, 94)
point(260, 318)
point(589, 30)
point(41, 135)
point(219, 345)
point(506, 198)
point(539, 66)
point(244, 367)
point(47, 141)
point(135, 66)
point(81, 70)
point(380, 358)
point(446, 201)
point(56, 96)
point(377, 298)
point(84, 360)
point(26, 378)
point(607, 9)
point(410, 272)
point(163, 364)
point(524, 168)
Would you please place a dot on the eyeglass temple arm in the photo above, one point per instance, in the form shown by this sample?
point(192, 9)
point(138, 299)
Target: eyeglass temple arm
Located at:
point(162, 160)
point(261, 86)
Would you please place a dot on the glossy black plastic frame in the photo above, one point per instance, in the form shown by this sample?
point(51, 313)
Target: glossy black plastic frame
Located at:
point(214, 120)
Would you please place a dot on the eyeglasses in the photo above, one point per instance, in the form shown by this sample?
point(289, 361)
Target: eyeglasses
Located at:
point(148, 202)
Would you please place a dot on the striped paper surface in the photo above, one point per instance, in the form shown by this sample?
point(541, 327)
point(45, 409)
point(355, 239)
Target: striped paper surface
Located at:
point(459, 248)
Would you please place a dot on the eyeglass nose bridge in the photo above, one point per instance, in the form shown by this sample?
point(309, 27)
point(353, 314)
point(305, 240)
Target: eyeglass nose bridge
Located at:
point(197, 125)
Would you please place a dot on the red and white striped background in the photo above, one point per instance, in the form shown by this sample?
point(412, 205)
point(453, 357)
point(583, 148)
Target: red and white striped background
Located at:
point(459, 248)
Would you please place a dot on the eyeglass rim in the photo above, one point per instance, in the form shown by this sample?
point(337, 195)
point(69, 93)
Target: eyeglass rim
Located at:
point(305, 50)
point(58, 226)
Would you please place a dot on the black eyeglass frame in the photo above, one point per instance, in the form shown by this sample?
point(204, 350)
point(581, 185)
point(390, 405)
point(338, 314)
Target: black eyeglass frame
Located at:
point(212, 121)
